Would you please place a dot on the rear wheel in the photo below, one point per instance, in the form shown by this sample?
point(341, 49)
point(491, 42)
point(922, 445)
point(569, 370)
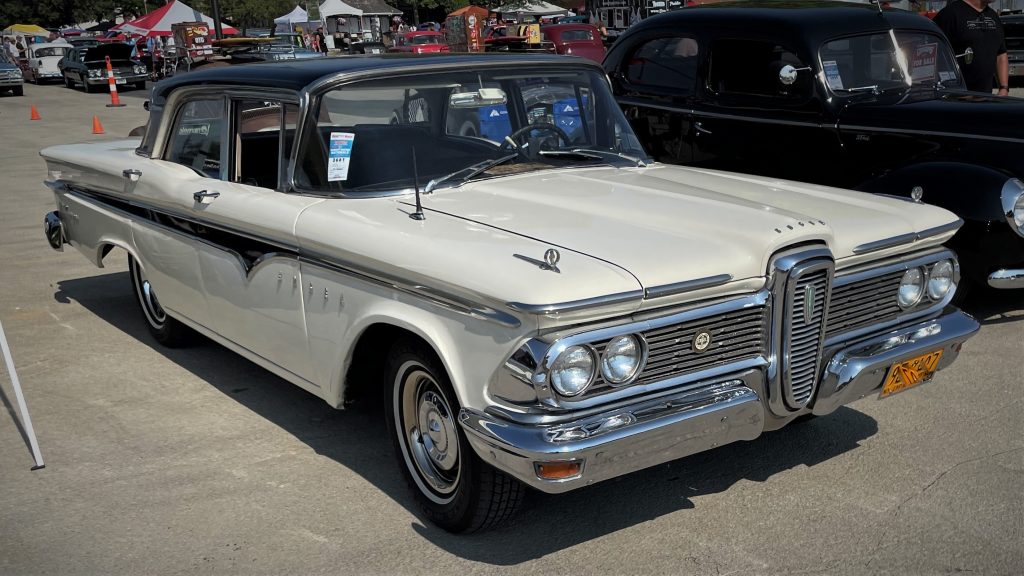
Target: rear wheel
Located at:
point(165, 329)
point(455, 489)
point(67, 82)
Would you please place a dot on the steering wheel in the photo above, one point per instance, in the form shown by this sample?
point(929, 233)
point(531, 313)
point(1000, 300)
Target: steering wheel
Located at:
point(512, 140)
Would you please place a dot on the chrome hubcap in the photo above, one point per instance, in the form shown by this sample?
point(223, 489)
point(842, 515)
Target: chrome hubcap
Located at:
point(147, 297)
point(430, 433)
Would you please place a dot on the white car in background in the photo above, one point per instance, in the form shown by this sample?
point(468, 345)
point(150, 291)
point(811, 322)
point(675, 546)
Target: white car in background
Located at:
point(42, 61)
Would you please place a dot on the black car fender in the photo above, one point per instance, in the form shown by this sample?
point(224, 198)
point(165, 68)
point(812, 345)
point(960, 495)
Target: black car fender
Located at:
point(971, 191)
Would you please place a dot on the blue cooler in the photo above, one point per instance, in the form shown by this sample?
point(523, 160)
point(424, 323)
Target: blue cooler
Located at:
point(494, 124)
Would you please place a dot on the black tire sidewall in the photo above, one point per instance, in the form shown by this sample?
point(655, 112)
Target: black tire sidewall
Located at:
point(458, 514)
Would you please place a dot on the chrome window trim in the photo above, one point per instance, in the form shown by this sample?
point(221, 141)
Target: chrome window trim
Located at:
point(907, 238)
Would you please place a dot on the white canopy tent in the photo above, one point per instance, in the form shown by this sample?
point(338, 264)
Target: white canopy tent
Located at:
point(297, 16)
point(531, 8)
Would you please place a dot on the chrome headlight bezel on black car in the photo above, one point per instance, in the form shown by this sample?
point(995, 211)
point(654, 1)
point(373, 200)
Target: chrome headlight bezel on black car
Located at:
point(1012, 199)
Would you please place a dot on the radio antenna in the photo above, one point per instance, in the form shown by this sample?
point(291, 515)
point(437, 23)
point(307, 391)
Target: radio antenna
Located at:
point(418, 214)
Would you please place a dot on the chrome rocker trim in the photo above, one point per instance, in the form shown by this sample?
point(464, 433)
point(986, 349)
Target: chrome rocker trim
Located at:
point(628, 438)
point(1006, 279)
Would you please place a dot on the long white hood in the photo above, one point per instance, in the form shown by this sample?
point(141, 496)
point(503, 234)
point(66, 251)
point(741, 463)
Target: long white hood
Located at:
point(669, 224)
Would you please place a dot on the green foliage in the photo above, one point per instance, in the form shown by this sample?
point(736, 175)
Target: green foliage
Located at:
point(56, 13)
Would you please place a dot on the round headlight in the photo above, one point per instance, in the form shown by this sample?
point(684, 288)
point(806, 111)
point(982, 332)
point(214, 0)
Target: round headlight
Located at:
point(621, 359)
point(911, 288)
point(940, 280)
point(573, 371)
point(1018, 213)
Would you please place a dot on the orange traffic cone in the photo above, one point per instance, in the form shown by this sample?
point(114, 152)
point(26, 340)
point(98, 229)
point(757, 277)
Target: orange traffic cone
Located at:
point(35, 114)
point(97, 128)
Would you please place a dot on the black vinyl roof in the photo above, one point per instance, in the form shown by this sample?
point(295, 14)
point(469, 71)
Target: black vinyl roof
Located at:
point(297, 74)
point(813, 20)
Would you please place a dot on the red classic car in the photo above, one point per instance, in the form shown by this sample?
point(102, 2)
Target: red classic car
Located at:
point(576, 39)
point(420, 43)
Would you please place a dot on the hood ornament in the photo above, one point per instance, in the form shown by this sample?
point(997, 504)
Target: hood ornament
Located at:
point(550, 261)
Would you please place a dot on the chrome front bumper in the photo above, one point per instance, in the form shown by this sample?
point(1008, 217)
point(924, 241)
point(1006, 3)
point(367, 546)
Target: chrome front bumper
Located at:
point(656, 430)
point(1006, 279)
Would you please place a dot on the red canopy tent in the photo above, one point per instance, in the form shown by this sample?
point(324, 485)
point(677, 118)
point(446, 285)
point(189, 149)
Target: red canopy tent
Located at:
point(159, 21)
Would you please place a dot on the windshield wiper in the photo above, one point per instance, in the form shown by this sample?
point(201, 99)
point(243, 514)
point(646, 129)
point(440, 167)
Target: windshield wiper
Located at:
point(463, 175)
point(617, 157)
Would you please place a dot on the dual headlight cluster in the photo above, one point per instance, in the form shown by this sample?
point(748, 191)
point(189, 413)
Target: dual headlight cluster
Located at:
point(933, 281)
point(576, 368)
point(96, 73)
point(139, 69)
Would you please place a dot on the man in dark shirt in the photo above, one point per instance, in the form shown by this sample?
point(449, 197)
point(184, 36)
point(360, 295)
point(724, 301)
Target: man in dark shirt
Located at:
point(972, 23)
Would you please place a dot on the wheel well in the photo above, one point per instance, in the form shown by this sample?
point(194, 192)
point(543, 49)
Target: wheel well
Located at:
point(365, 378)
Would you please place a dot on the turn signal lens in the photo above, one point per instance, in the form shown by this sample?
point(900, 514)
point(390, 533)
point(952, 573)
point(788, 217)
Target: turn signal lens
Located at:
point(911, 288)
point(558, 470)
point(940, 280)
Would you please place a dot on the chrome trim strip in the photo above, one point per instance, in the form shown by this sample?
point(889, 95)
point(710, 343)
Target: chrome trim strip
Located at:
point(640, 103)
point(434, 295)
point(576, 305)
point(1006, 279)
point(931, 133)
point(907, 238)
point(698, 113)
point(687, 286)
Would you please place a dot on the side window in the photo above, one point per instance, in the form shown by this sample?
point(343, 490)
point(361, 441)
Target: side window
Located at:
point(666, 63)
point(196, 141)
point(751, 68)
point(265, 130)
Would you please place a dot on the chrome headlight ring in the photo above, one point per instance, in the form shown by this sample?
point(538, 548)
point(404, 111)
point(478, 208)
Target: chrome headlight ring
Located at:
point(616, 373)
point(912, 287)
point(1012, 199)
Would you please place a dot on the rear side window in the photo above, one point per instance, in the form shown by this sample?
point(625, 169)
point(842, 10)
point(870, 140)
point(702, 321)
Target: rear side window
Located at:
point(577, 35)
point(665, 63)
point(196, 141)
point(751, 68)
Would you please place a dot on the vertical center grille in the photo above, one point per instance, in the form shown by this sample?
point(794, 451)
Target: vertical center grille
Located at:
point(804, 322)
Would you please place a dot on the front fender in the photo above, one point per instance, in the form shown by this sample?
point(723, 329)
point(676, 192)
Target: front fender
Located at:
point(970, 191)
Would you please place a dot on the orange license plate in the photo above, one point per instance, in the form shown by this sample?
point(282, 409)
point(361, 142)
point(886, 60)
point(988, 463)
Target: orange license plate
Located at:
point(910, 373)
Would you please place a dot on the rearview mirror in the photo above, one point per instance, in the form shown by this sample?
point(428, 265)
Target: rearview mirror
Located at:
point(968, 56)
point(478, 99)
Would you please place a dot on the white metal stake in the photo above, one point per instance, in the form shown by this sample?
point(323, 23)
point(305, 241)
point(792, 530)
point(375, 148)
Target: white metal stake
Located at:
point(21, 400)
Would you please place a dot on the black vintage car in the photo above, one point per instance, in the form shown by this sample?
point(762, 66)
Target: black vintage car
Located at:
point(86, 65)
point(837, 94)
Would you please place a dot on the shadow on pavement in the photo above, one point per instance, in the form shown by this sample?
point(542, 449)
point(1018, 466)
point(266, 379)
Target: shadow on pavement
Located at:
point(991, 306)
point(356, 438)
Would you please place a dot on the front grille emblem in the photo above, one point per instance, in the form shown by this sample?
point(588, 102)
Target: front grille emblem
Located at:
point(701, 341)
point(809, 294)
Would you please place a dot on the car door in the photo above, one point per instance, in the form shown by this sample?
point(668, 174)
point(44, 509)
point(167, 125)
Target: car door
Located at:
point(654, 84)
point(747, 119)
point(249, 263)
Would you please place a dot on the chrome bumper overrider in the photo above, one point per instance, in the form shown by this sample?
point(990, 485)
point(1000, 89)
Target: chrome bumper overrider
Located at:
point(657, 430)
point(53, 228)
point(1005, 279)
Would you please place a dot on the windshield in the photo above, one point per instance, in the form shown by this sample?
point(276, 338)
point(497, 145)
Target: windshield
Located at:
point(871, 61)
point(425, 39)
point(367, 132)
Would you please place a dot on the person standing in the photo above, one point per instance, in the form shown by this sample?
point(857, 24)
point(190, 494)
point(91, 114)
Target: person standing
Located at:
point(974, 24)
point(321, 40)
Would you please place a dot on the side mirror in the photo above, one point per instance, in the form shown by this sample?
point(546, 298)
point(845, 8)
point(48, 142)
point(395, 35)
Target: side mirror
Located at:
point(788, 74)
point(968, 56)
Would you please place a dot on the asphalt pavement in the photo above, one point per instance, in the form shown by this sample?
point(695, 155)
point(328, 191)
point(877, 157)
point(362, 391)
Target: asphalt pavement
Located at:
point(196, 461)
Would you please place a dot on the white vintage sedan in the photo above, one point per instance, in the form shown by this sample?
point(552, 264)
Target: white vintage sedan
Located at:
point(483, 238)
point(42, 61)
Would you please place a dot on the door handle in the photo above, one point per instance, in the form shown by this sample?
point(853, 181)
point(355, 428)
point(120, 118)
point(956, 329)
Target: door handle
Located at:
point(132, 174)
point(198, 196)
point(701, 129)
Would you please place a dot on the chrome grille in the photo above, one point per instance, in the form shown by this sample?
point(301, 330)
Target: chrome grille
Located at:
point(735, 336)
point(802, 347)
point(862, 303)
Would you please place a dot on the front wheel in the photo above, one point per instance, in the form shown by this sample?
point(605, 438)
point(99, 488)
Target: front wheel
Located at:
point(85, 85)
point(456, 490)
point(166, 330)
point(18, 90)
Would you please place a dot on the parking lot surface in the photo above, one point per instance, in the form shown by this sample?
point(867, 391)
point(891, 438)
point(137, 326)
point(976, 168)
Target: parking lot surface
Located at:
point(164, 461)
